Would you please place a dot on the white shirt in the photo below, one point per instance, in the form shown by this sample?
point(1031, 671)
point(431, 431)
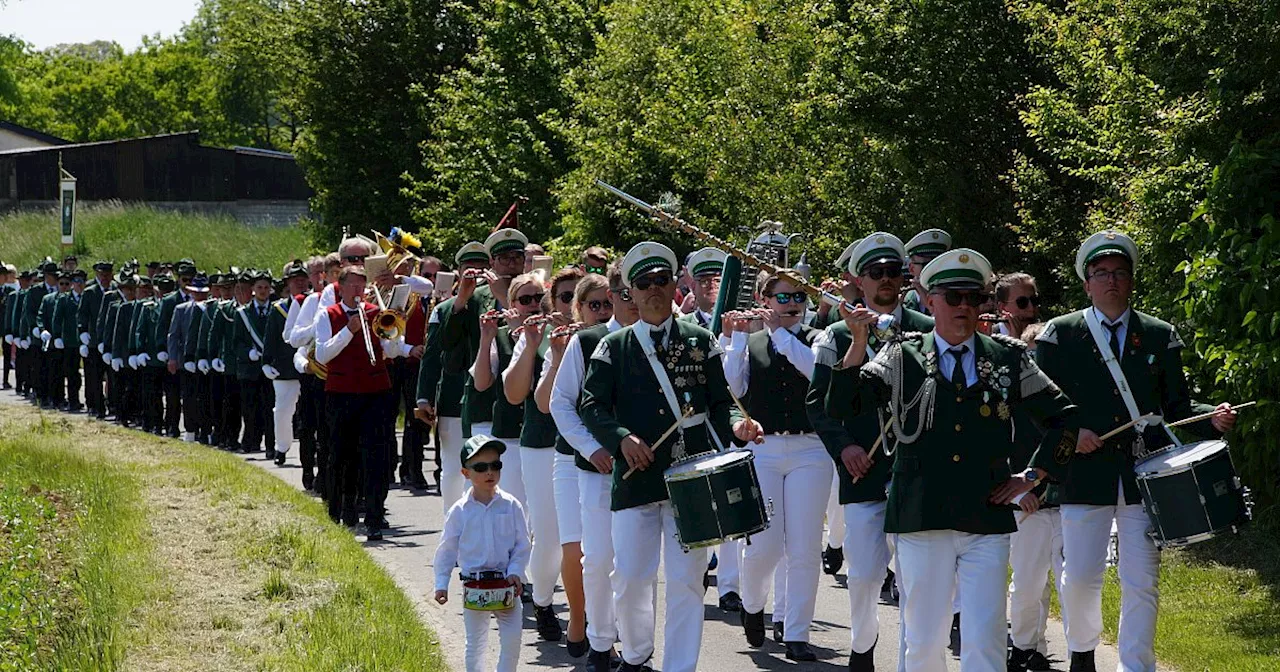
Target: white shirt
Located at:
point(1120, 333)
point(419, 285)
point(304, 326)
point(946, 360)
point(329, 344)
point(737, 365)
point(479, 537)
point(564, 397)
point(516, 351)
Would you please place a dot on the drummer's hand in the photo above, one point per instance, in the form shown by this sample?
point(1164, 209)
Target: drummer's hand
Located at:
point(515, 582)
point(1030, 504)
point(1087, 441)
point(748, 430)
point(602, 461)
point(855, 460)
point(442, 596)
point(638, 453)
point(1225, 419)
point(1005, 492)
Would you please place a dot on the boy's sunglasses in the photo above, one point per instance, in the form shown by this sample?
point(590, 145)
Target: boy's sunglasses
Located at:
point(595, 306)
point(1024, 301)
point(598, 270)
point(528, 299)
point(955, 297)
point(783, 298)
point(886, 271)
point(481, 467)
point(654, 280)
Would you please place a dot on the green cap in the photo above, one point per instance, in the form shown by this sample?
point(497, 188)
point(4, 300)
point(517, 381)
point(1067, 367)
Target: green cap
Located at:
point(478, 443)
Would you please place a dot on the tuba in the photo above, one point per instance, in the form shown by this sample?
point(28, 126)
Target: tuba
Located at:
point(314, 367)
point(399, 247)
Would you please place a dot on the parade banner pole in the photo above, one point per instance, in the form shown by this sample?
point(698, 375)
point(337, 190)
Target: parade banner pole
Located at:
point(67, 205)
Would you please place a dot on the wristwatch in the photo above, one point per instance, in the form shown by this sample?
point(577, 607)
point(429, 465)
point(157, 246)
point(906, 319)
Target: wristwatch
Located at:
point(1031, 476)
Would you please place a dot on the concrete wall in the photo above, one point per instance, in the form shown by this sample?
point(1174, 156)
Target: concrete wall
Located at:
point(254, 213)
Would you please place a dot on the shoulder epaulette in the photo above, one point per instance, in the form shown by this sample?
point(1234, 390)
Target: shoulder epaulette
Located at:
point(1009, 340)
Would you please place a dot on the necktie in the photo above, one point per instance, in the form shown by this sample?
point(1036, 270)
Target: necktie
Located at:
point(657, 336)
point(1115, 337)
point(262, 312)
point(957, 368)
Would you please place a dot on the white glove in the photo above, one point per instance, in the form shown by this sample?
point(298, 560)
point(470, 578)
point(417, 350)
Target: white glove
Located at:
point(189, 367)
point(254, 355)
point(162, 356)
point(35, 332)
point(8, 338)
point(270, 371)
point(143, 360)
point(45, 336)
point(24, 343)
point(59, 344)
point(133, 362)
point(84, 351)
point(203, 365)
point(115, 364)
point(106, 358)
point(84, 338)
point(218, 365)
point(300, 360)
point(390, 349)
point(101, 348)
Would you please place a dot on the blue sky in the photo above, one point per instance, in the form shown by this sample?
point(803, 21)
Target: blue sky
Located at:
point(45, 23)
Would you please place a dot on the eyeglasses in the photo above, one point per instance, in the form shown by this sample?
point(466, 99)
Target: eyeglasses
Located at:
point(623, 294)
point(510, 256)
point(1119, 275)
point(482, 467)
point(596, 306)
point(707, 280)
point(598, 270)
point(955, 297)
point(884, 271)
point(1024, 301)
point(655, 280)
point(355, 258)
point(565, 297)
point(783, 298)
point(528, 299)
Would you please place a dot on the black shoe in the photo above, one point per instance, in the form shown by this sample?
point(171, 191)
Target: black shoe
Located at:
point(1082, 661)
point(955, 634)
point(778, 629)
point(599, 661)
point(1017, 661)
point(730, 602)
point(628, 667)
point(753, 626)
point(578, 649)
point(280, 457)
point(706, 582)
point(526, 595)
point(832, 560)
point(308, 480)
point(715, 562)
point(889, 589)
point(863, 662)
point(800, 651)
point(1037, 661)
point(271, 453)
point(548, 625)
point(373, 533)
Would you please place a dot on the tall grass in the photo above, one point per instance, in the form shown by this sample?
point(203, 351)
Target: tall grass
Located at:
point(121, 232)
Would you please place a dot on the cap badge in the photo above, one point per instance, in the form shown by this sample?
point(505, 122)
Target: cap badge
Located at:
point(964, 258)
point(1111, 235)
point(644, 250)
point(880, 239)
point(935, 236)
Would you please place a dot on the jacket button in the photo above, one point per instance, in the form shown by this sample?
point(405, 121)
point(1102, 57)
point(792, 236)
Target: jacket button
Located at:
point(1115, 393)
point(662, 411)
point(959, 400)
point(957, 429)
point(955, 458)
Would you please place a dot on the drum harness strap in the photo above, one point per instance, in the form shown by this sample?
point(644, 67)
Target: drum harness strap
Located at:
point(253, 333)
point(1122, 384)
point(660, 372)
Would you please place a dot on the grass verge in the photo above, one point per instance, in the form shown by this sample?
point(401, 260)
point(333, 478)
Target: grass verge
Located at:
point(184, 558)
point(122, 232)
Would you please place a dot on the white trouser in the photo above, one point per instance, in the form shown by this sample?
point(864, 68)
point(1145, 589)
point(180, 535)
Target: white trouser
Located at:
point(536, 467)
point(728, 567)
point(779, 593)
point(477, 626)
point(866, 550)
point(1034, 550)
point(835, 512)
point(568, 517)
point(286, 403)
point(595, 493)
point(1086, 531)
point(642, 536)
point(931, 563)
point(513, 473)
point(795, 476)
point(452, 484)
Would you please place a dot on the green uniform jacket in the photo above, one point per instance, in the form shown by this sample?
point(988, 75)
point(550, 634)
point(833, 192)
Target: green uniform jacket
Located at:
point(65, 320)
point(278, 353)
point(621, 396)
point(438, 384)
point(224, 336)
point(164, 318)
point(459, 343)
point(205, 346)
point(1152, 364)
point(30, 311)
point(862, 429)
point(101, 334)
point(122, 322)
point(944, 479)
point(144, 325)
point(491, 405)
point(8, 325)
point(90, 308)
point(44, 318)
point(242, 342)
point(191, 346)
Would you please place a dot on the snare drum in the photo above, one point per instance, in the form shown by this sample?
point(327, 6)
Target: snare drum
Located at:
point(488, 595)
point(1191, 493)
point(716, 498)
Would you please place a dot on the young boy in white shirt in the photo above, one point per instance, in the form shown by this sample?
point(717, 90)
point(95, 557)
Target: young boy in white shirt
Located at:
point(485, 536)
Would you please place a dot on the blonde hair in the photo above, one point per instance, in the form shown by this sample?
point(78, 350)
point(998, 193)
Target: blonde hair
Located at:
point(519, 282)
point(584, 287)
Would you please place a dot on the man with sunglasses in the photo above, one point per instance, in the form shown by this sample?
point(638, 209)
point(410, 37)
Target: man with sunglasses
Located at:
point(640, 379)
point(1109, 347)
point(875, 268)
point(952, 395)
point(705, 267)
point(594, 259)
point(1018, 303)
point(921, 249)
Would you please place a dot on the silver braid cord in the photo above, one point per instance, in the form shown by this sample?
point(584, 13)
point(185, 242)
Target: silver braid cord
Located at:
point(923, 398)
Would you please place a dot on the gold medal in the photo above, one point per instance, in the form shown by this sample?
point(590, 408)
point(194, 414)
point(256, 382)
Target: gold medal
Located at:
point(984, 410)
point(1002, 409)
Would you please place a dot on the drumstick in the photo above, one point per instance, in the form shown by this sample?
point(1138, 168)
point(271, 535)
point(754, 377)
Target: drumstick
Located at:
point(1210, 414)
point(1027, 514)
point(876, 446)
point(1127, 425)
point(662, 438)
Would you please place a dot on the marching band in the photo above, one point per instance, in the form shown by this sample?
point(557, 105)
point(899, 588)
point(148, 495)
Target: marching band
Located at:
point(935, 444)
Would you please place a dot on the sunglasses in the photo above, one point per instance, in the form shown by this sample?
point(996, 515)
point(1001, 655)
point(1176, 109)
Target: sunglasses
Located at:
point(623, 294)
point(482, 467)
point(654, 280)
point(783, 298)
point(529, 299)
point(510, 257)
point(598, 270)
point(355, 258)
point(1024, 301)
point(955, 297)
point(878, 272)
point(565, 297)
point(596, 306)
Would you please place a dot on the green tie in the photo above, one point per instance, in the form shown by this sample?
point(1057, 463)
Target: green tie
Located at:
point(957, 369)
